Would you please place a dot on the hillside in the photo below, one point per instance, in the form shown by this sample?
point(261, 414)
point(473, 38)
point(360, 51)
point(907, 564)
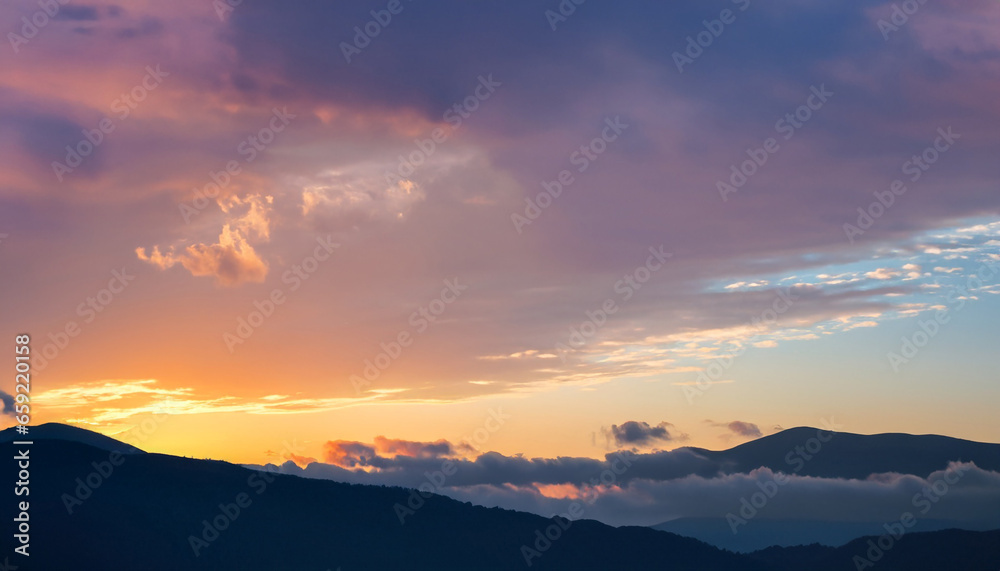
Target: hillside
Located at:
point(151, 512)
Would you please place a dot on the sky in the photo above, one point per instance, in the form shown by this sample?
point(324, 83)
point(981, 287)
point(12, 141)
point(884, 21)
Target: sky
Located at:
point(337, 231)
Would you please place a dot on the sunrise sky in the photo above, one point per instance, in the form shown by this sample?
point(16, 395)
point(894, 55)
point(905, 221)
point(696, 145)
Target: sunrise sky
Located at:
point(378, 192)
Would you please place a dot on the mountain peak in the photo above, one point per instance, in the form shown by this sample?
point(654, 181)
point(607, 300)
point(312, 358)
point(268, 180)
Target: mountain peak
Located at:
point(69, 433)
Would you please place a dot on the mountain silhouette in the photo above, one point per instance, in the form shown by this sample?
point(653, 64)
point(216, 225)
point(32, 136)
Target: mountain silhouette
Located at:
point(793, 532)
point(852, 456)
point(65, 432)
point(807, 451)
point(952, 550)
point(95, 507)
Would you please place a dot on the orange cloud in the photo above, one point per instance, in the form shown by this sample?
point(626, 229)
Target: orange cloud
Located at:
point(348, 454)
point(232, 260)
point(418, 449)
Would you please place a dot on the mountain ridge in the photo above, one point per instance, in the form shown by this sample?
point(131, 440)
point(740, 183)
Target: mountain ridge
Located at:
point(70, 433)
point(163, 504)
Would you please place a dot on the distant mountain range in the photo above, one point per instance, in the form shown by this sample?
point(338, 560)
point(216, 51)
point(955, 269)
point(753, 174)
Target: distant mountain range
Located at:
point(846, 455)
point(843, 455)
point(151, 511)
point(788, 532)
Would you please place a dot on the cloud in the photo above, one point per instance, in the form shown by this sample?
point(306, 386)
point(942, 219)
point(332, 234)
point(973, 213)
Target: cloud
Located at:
point(77, 13)
point(358, 120)
point(883, 274)
point(41, 136)
point(297, 459)
point(739, 285)
point(232, 260)
point(300, 460)
point(390, 453)
point(639, 493)
point(913, 271)
point(348, 454)
point(632, 432)
point(747, 429)
point(137, 397)
point(880, 498)
point(440, 448)
point(343, 195)
point(8, 403)
point(498, 470)
point(631, 488)
point(494, 469)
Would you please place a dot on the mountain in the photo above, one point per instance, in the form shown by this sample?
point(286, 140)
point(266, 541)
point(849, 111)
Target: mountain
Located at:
point(89, 506)
point(816, 517)
point(786, 532)
point(808, 451)
point(954, 550)
point(142, 514)
point(64, 432)
point(846, 455)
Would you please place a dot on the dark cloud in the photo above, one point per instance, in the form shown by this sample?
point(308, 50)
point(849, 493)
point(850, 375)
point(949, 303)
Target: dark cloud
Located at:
point(630, 494)
point(975, 498)
point(738, 427)
point(440, 448)
point(455, 43)
point(628, 488)
point(8, 403)
point(839, 460)
point(458, 41)
point(45, 136)
point(564, 83)
point(494, 469)
point(548, 75)
point(349, 454)
point(747, 429)
point(77, 13)
point(632, 432)
point(145, 27)
point(389, 453)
